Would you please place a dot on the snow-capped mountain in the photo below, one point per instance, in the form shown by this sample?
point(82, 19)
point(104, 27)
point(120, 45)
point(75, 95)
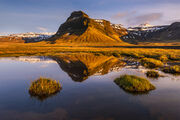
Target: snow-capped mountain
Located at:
point(146, 27)
point(29, 36)
point(143, 33)
point(32, 34)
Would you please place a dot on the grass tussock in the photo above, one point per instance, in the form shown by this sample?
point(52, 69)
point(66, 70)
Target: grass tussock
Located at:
point(133, 83)
point(172, 69)
point(44, 87)
point(152, 74)
point(163, 58)
point(151, 63)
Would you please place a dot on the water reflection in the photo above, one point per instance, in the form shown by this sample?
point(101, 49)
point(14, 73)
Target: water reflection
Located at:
point(80, 66)
point(97, 98)
point(135, 93)
point(58, 114)
point(43, 98)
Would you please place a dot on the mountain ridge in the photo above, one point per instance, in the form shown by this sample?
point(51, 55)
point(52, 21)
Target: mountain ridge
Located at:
point(154, 34)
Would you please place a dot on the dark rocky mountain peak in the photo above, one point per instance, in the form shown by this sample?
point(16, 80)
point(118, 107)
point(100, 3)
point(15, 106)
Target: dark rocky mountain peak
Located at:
point(79, 27)
point(77, 14)
point(77, 23)
point(174, 26)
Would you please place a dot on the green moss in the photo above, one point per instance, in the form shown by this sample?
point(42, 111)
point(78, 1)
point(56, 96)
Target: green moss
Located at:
point(151, 63)
point(172, 69)
point(133, 83)
point(152, 74)
point(44, 87)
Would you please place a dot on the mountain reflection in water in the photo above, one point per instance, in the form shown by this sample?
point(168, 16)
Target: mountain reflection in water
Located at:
point(96, 98)
point(80, 66)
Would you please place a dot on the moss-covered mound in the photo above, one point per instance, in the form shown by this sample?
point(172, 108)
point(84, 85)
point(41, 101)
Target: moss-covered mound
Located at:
point(172, 69)
point(151, 63)
point(44, 87)
point(133, 83)
point(152, 74)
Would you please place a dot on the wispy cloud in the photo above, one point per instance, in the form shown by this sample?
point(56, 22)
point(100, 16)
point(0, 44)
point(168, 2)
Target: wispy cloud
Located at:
point(160, 14)
point(43, 29)
point(122, 15)
point(145, 18)
point(20, 16)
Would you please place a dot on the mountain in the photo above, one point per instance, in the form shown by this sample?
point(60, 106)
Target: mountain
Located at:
point(80, 28)
point(145, 25)
point(153, 34)
point(26, 37)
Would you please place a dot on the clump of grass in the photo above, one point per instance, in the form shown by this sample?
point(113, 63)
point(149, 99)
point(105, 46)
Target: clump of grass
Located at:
point(163, 58)
point(152, 74)
point(116, 54)
point(44, 87)
point(172, 69)
point(151, 63)
point(133, 83)
point(173, 56)
point(133, 54)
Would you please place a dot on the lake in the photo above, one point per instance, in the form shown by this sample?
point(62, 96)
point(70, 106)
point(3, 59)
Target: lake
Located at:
point(89, 95)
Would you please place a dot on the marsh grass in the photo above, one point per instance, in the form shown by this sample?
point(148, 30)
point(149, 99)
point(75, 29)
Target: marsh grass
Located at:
point(151, 63)
point(44, 87)
point(152, 74)
point(134, 84)
point(163, 58)
point(172, 69)
point(41, 48)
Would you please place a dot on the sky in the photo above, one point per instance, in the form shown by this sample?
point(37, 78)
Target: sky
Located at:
point(19, 16)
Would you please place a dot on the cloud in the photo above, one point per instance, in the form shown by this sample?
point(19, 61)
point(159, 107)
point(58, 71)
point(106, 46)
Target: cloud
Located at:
point(122, 15)
point(158, 14)
point(174, 20)
point(145, 18)
point(118, 15)
point(42, 29)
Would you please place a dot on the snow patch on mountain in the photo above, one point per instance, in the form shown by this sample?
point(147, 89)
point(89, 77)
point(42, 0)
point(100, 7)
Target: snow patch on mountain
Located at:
point(31, 35)
point(116, 26)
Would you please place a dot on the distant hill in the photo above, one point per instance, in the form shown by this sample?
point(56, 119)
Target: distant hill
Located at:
point(80, 28)
point(25, 37)
point(153, 34)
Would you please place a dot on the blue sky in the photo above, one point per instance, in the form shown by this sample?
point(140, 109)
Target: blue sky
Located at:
point(19, 16)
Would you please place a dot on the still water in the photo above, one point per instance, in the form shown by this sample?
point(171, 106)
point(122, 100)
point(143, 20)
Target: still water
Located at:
point(95, 97)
